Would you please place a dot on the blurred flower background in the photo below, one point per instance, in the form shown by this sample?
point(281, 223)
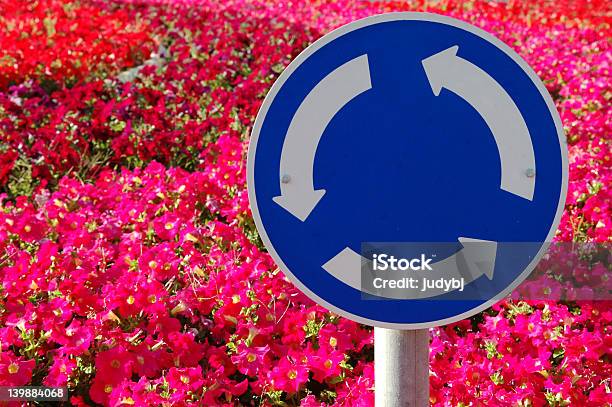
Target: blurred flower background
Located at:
point(130, 268)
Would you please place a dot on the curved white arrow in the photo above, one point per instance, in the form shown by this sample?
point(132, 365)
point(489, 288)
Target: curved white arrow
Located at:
point(477, 257)
point(333, 92)
point(446, 70)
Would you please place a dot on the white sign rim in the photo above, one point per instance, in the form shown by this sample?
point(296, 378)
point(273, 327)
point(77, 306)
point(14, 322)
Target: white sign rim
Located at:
point(345, 29)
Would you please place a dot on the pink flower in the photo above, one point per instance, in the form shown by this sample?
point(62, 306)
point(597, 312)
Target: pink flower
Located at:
point(288, 376)
point(60, 372)
point(15, 371)
point(325, 364)
point(250, 361)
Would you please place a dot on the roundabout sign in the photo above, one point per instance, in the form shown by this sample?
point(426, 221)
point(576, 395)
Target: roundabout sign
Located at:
point(407, 133)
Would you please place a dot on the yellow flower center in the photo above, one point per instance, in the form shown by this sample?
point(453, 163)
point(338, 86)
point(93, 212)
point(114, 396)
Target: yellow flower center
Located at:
point(169, 225)
point(333, 341)
point(115, 364)
point(27, 228)
point(108, 388)
point(152, 299)
point(130, 300)
point(251, 357)
point(13, 368)
point(292, 374)
point(327, 364)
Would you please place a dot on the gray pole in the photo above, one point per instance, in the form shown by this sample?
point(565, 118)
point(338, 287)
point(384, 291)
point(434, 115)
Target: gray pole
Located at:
point(401, 367)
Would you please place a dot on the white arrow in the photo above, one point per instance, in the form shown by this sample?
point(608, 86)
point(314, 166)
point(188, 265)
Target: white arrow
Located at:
point(446, 70)
point(333, 92)
point(477, 257)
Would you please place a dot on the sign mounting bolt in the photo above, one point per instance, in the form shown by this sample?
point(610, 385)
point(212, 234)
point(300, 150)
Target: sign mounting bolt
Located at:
point(530, 172)
point(285, 178)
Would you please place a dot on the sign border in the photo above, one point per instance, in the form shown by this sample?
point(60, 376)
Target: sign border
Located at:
point(345, 29)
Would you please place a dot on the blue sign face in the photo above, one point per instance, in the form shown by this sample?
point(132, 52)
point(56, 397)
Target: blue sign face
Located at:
point(407, 127)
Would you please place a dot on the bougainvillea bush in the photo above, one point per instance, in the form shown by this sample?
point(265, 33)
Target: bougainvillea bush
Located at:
point(130, 268)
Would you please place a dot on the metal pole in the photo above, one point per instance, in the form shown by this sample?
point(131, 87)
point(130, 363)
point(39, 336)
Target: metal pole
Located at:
point(401, 367)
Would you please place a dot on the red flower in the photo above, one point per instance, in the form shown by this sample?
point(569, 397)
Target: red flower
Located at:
point(15, 371)
point(288, 376)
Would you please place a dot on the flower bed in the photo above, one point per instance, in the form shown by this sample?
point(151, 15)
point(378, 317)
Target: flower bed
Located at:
point(130, 267)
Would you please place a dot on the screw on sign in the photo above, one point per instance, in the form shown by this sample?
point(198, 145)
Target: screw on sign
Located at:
point(398, 137)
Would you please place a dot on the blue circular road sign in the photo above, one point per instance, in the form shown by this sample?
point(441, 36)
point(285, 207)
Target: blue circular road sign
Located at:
point(407, 127)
